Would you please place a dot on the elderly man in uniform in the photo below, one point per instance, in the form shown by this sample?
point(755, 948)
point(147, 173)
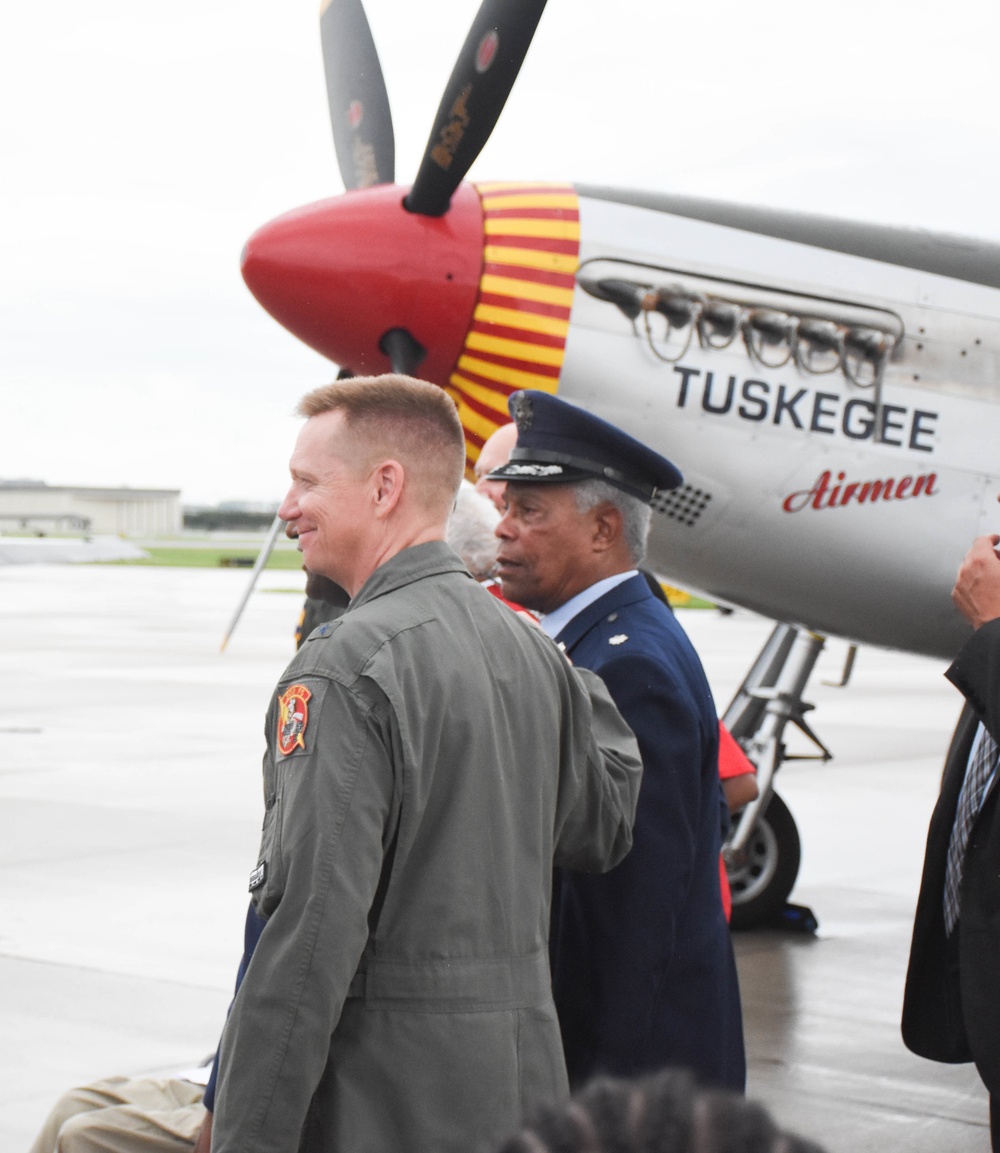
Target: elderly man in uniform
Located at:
point(642, 964)
point(428, 755)
point(951, 1009)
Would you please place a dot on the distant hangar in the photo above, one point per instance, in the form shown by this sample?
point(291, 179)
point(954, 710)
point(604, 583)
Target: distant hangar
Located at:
point(31, 506)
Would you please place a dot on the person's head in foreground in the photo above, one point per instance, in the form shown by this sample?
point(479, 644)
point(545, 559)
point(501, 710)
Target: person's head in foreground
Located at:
point(375, 470)
point(662, 1113)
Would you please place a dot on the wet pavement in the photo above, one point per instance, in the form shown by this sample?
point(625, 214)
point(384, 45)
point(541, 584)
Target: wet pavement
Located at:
point(130, 807)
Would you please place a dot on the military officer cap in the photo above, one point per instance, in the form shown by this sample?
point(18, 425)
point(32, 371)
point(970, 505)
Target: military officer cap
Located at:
point(558, 443)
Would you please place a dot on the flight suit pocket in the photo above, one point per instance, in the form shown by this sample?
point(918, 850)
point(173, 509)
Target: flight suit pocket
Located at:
point(267, 879)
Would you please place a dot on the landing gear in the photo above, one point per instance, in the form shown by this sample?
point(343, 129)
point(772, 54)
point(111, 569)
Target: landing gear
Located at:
point(763, 851)
point(763, 872)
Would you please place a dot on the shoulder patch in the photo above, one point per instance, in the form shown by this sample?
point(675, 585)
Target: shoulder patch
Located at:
point(293, 719)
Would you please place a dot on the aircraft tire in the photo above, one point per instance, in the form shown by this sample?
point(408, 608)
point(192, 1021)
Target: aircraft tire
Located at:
point(762, 880)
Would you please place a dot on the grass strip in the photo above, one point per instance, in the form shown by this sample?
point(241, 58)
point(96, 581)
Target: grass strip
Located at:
point(289, 559)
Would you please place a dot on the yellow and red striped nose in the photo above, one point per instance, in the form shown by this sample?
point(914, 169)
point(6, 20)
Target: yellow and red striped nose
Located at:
point(517, 339)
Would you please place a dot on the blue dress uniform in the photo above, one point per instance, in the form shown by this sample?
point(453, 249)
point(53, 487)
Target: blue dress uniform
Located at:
point(642, 964)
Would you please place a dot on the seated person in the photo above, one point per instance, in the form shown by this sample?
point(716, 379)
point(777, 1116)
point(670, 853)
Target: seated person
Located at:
point(127, 1115)
point(141, 1114)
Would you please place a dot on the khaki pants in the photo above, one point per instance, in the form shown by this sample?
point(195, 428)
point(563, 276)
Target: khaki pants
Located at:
point(124, 1115)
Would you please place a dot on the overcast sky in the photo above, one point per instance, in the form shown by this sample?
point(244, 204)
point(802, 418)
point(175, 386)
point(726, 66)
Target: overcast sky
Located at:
point(141, 146)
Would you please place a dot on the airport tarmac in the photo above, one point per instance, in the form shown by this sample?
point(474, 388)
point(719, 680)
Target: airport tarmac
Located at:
point(129, 775)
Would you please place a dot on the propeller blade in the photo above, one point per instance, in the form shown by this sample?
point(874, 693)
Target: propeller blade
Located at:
point(359, 103)
point(404, 351)
point(477, 91)
point(265, 552)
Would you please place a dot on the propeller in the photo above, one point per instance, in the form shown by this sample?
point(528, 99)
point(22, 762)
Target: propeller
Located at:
point(355, 89)
point(480, 83)
point(417, 259)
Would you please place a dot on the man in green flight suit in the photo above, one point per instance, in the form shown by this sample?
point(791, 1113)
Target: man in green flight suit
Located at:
point(430, 755)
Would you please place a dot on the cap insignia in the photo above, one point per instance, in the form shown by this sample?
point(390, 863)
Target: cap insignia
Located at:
point(514, 469)
point(523, 411)
point(618, 639)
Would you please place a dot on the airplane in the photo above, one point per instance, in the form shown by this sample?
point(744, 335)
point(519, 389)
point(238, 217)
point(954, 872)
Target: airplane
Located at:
point(828, 389)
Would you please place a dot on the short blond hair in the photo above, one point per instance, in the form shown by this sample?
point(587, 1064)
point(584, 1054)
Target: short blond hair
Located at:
point(398, 416)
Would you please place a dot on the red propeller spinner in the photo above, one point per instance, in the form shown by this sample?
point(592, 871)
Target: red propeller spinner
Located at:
point(343, 272)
